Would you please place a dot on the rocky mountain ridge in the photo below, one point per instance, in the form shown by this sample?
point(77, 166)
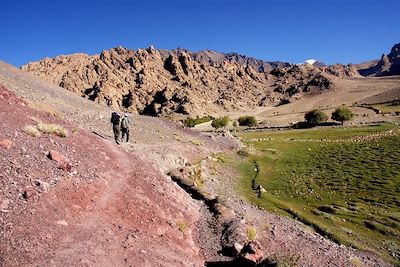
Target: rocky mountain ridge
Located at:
point(387, 65)
point(153, 82)
point(178, 83)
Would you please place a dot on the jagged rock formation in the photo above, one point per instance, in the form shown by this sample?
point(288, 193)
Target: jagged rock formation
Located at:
point(341, 71)
point(386, 66)
point(153, 82)
point(212, 57)
point(299, 79)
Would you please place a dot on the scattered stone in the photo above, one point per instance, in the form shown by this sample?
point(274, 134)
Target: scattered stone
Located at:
point(6, 144)
point(4, 204)
point(62, 161)
point(233, 236)
point(44, 186)
point(28, 193)
point(62, 222)
point(251, 252)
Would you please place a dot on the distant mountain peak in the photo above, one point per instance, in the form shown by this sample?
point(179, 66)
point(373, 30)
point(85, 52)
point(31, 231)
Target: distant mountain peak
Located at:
point(310, 61)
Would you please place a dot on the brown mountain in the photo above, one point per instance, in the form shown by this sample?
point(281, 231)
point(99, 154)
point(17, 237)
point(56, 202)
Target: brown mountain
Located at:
point(388, 64)
point(162, 83)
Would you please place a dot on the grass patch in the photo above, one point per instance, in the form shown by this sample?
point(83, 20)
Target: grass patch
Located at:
point(251, 233)
point(289, 260)
point(181, 226)
point(31, 130)
point(52, 128)
point(196, 142)
point(43, 107)
point(386, 107)
point(346, 190)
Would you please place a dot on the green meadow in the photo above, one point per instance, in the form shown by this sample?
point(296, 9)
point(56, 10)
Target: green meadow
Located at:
point(344, 182)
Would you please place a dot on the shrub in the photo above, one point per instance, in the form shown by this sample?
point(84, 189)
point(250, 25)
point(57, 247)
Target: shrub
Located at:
point(191, 122)
point(220, 122)
point(51, 128)
point(31, 130)
point(251, 233)
point(181, 226)
point(342, 114)
point(247, 121)
point(315, 117)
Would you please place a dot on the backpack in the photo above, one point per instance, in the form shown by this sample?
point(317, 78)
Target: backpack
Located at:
point(115, 118)
point(124, 122)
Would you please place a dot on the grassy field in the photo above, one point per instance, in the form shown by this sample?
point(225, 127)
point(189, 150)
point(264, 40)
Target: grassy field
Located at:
point(345, 182)
point(387, 107)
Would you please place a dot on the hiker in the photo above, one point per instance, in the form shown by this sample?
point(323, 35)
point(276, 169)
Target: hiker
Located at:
point(125, 127)
point(116, 120)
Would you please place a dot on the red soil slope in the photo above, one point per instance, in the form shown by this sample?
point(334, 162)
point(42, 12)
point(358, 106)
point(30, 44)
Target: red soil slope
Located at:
point(110, 209)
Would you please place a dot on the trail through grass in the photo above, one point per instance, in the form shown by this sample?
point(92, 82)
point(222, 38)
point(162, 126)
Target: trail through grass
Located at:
point(345, 182)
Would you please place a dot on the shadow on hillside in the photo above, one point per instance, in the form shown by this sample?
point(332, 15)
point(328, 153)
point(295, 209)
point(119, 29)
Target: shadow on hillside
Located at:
point(305, 125)
point(237, 263)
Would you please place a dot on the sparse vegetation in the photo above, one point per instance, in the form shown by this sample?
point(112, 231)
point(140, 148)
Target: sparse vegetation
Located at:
point(46, 128)
point(247, 121)
point(191, 122)
point(181, 226)
point(220, 122)
point(289, 260)
point(251, 233)
point(196, 142)
point(31, 130)
point(52, 128)
point(337, 180)
point(315, 117)
point(342, 114)
point(385, 107)
point(195, 174)
point(356, 262)
point(43, 107)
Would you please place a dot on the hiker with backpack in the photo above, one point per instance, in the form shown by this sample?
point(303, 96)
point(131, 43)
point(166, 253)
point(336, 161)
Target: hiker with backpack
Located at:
point(116, 122)
point(125, 127)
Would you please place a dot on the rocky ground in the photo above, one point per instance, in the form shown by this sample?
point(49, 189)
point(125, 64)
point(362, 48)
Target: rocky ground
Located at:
point(101, 204)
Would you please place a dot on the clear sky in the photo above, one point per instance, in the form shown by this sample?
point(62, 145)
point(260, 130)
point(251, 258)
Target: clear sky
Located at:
point(332, 31)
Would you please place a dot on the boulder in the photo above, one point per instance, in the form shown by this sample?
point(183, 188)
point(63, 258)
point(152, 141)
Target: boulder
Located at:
point(251, 253)
point(6, 144)
point(62, 161)
point(233, 237)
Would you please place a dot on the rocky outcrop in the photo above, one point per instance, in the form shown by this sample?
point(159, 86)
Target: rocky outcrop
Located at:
point(388, 64)
point(300, 79)
point(341, 71)
point(178, 83)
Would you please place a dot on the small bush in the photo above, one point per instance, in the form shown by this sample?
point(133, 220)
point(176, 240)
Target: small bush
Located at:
point(191, 122)
point(196, 142)
point(220, 122)
point(315, 117)
point(181, 226)
point(51, 128)
point(243, 153)
point(251, 233)
point(290, 260)
point(247, 121)
point(31, 130)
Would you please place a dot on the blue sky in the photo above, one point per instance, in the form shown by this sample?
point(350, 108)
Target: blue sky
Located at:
point(333, 31)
